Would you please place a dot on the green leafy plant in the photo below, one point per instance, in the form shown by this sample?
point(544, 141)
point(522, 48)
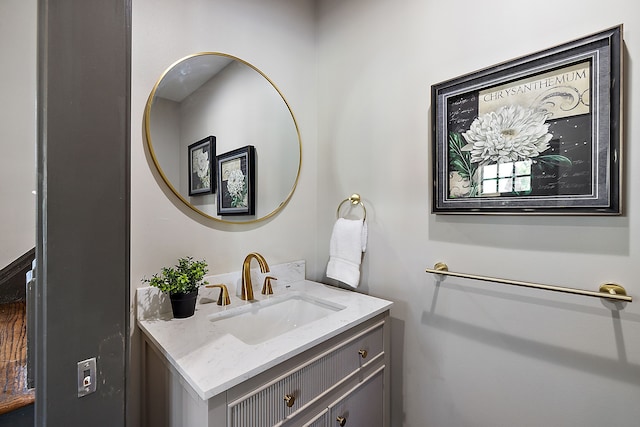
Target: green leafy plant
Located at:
point(184, 277)
point(460, 161)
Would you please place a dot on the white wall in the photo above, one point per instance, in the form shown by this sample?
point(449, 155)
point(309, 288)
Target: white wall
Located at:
point(278, 38)
point(17, 129)
point(472, 353)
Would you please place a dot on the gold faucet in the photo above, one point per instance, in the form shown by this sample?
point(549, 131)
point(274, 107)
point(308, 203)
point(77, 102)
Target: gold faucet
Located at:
point(247, 287)
point(223, 299)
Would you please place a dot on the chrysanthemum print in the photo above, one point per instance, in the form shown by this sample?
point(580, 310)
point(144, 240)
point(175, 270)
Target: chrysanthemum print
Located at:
point(539, 134)
point(524, 138)
point(200, 165)
point(236, 182)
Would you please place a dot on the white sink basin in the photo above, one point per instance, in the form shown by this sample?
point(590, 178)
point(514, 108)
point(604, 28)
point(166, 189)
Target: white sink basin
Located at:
point(261, 321)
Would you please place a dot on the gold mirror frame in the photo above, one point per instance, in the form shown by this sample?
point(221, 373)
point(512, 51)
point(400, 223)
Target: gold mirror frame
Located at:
point(147, 129)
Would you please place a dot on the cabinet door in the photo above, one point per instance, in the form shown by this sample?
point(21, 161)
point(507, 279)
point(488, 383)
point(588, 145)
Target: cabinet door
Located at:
point(362, 406)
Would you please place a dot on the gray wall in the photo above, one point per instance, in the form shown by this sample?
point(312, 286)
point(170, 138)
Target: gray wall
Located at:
point(83, 209)
point(17, 128)
point(468, 353)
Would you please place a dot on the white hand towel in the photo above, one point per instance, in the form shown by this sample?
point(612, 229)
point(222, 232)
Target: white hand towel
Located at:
point(348, 242)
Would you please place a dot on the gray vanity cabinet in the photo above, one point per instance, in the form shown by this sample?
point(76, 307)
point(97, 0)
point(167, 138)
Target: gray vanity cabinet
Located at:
point(344, 379)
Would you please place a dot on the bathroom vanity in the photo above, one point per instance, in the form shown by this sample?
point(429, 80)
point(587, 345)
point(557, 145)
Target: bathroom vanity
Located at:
point(308, 355)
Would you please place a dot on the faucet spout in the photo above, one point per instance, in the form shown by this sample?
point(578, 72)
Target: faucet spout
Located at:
point(247, 286)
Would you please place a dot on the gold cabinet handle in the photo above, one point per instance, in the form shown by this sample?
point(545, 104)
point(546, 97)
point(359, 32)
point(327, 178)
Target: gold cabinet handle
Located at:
point(289, 399)
point(363, 353)
point(341, 421)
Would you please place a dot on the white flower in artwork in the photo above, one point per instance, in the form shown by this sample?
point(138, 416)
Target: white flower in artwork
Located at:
point(508, 134)
point(201, 167)
point(236, 188)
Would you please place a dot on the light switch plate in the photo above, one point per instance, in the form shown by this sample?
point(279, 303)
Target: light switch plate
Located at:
point(87, 377)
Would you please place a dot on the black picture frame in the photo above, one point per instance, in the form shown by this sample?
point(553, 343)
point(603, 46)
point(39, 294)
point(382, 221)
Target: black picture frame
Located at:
point(540, 134)
point(236, 190)
point(202, 167)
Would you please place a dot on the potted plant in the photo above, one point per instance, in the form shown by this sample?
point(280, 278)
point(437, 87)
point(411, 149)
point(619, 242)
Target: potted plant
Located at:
point(181, 282)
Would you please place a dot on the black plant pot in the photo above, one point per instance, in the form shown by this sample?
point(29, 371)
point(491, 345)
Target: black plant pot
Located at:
point(183, 305)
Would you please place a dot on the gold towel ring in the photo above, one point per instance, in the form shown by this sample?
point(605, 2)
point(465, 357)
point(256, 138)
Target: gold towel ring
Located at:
point(355, 200)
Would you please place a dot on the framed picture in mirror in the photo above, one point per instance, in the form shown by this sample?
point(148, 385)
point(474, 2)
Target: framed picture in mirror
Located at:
point(236, 182)
point(540, 134)
point(201, 166)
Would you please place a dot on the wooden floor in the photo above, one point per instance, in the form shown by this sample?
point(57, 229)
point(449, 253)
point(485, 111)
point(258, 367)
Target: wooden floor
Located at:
point(13, 358)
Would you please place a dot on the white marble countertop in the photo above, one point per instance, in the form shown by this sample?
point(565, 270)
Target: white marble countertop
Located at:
point(209, 360)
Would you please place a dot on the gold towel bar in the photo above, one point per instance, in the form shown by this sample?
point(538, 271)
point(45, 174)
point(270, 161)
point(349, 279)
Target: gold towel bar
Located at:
point(355, 200)
point(610, 291)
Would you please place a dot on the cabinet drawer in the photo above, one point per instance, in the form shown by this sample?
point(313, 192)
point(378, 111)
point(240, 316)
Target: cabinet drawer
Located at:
point(284, 396)
point(318, 421)
point(362, 406)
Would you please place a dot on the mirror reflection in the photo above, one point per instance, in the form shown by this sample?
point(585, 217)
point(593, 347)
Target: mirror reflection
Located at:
point(204, 117)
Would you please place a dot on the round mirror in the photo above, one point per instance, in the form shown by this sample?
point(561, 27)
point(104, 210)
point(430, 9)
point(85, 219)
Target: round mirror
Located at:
point(223, 138)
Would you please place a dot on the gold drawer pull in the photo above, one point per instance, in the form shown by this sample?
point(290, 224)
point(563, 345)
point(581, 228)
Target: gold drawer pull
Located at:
point(290, 399)
point(341, 421)
point(363, 353)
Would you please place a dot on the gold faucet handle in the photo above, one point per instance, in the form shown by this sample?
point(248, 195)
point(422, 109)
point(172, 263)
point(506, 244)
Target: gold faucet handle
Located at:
point(223, 299)
point(266, 287)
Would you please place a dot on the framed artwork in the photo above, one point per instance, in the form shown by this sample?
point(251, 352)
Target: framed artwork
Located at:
point(236, 182)
point(201, 166)
point(539, 134)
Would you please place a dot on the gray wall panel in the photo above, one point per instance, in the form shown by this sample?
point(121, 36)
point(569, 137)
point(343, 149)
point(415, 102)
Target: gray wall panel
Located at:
point(82, 305)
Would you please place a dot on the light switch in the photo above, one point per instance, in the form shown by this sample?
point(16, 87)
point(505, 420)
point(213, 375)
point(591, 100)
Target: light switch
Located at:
point(86, 377)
